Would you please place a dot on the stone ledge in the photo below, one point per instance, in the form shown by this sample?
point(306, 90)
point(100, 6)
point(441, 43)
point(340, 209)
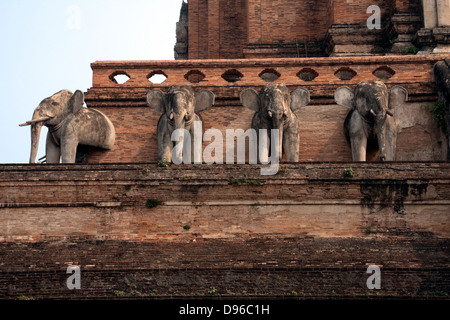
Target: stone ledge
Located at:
point(110, 201)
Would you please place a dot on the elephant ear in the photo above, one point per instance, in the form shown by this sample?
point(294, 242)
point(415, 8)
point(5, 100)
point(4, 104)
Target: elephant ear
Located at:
point(397, 96)
point(155, 100)
point(76, 102)
point(299, 98)
point(344, 97)
point(249, 99)
point(204, 99)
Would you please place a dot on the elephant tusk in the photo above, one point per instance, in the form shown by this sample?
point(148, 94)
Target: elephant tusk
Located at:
point(29, 123)
point(373, 112)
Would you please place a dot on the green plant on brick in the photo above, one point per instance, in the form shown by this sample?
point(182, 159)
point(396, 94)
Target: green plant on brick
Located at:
point(152, 203)
point(212, 292)
point(119, 293)
point(135, 293)
point(386, 48)
point(412, 49)
point(164, 164)
point(187, 227)
point(348, 173)
point(439, 114)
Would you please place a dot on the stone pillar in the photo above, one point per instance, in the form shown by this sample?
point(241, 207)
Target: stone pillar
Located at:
point(430, 13)
point(443, 13)
point(435, 36)
point(442, 32)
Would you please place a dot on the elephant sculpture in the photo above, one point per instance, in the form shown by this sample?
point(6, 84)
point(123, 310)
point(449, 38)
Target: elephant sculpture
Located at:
point(180, 108)
point(371, 117)
point(275, 106)
point(69, 125)
point(442, 79)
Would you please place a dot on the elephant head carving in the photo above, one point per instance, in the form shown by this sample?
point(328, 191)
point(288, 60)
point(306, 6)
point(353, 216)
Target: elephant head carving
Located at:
point(180, 108)
point(69, 124)
point(371, 117)
point(275, 106)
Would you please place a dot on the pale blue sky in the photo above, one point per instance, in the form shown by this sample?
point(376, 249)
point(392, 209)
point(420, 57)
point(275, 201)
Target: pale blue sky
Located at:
point(42, 52)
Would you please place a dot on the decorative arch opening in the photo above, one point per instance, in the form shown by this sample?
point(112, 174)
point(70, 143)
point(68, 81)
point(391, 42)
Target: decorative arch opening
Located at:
point(383, 73)
point(345, 73)
point(157, 77)
point(270, 75)
point(119, 77)
point(307, 74)
point(194, 76)
point(232, 76)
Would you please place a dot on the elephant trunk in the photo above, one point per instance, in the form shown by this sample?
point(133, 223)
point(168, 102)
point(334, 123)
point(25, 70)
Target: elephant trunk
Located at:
point(381, 135)
point(280, 141)
point(179, 127)
point(278, 125)
point(181, 145)
point(35, 134)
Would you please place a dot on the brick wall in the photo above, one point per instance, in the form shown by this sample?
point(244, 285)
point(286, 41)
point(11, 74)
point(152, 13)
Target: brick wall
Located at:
point(282, 21)
point(108, 201)
point(273, 267)
point(217, 29)
point(238, 28)
point(355, 12)
point(306, 230)
point(411, 6)
point(233, 28)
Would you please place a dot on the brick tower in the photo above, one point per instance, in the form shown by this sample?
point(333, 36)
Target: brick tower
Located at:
point(236, 29)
